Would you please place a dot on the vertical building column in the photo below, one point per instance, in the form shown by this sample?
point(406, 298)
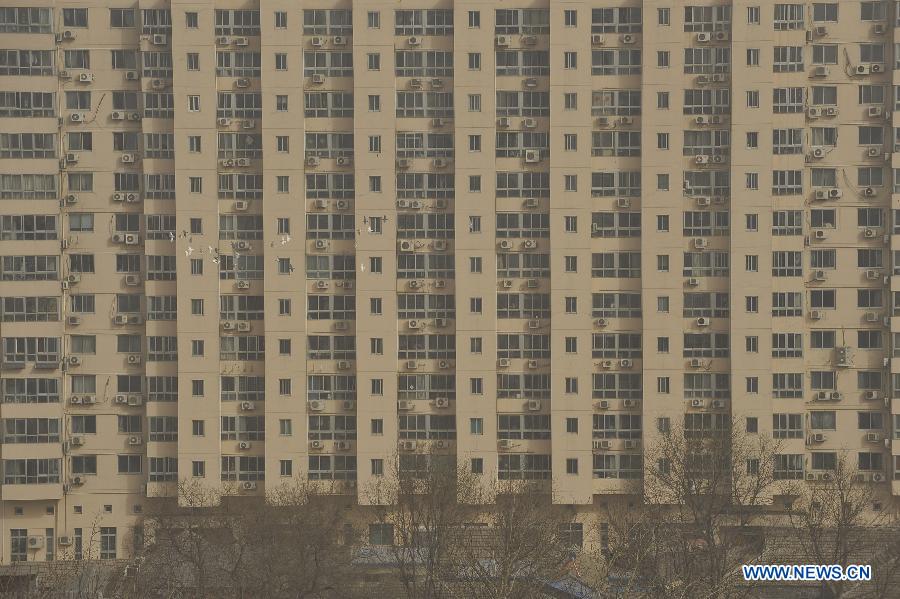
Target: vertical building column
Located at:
point(202, 205)
point(570, 241)
point(751, 211)
point(375, 441)
point(663, 201)
point(475, 221)
point(284, 239)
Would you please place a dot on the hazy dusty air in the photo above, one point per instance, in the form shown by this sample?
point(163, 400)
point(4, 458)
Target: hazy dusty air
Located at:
point(331, 246)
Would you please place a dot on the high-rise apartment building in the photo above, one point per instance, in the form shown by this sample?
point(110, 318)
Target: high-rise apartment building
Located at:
point(249, 241)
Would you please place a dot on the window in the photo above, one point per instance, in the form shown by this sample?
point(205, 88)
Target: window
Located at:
point(373, 61)
point(75, 17)
point(570, 101)
point(752, 57)
point(374, 103)
point(664, 16)
point(570, 18)
point(753, 15)
point(280, 20)
point(663, 59)
point(373, 19)
point(191, 20)
point(474, 19)
point(570, 60)
point(752, 98)
point(662, 100)
point(474, 102)
point(474, 61)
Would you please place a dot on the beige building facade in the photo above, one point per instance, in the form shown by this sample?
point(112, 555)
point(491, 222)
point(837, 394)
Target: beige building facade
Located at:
point(244, 243)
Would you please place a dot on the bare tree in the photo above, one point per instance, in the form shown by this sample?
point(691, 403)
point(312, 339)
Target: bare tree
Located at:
point(706, 488)
point(833, 521)
point(290, 546)
point(520, 543)
point(420, 502)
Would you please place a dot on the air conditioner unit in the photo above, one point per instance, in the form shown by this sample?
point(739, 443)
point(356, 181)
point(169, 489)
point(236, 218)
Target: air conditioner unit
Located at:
point(316, 445)
point(879, 29)
point(874, 152)
point(872, 395)
point(503, 363)
point(877, 477)
point(344, 161)
point(132, 280)
point(876, 68)
point(316, 405)
point(531, 364)
point(701, 159)
point(814, 112)
point(870, 233)
point(531, 203)
point(872, 317)
point(703, 37)
point(248, 485)
point(243, 82)
point(602, 444)
point(159, 84)
point(415, 284)
point(606, 364)
point(440, 162)
point(862, 69)
point(439, 122)
point(86, 77)
point(696, 363)
point(529, 244)
point(317, 41)
point(405, 405)
point(439, 245)
point(241, 41)
point(321, 244)
point(407, 445)
point(412, 365)
point(869, 192)
point(532, 283)
point(35, 542)
point(529, 123)
point(73, 320)
point(819, 275)
point(532, 156)
point(817, 153)
point(702, 201)
point(223, 40)
point(696, 403)
point(601, 322)
point(128, 158)
point(501, 40)
point(816, 314)
point(74, 360)
point(76, 117)
point(873, 275)
point(135, 440)
point(317, 79)
point(414, 41)
point(533, 405)
point(120, 319)
point(64, 541)
point(223, 122)
point(505, 244)
point(701, 244)
point(628, 38)
point(836, 396)
point(597, 39)
point(629, 403)
point(703, 322)
point(134, 359)
point(603, 404)
point(820, 234)
point(437, 84)
point(820, 31)
point(159, 39)
point(717, 404)
point(244, 445)
point(529, 40)
point(242, 284)
point(243, 326)
point(693, 282)
point(534, 324)
point(70, 199)
point(623, 203)
point(442, 402)
point(817, 438)
point(875, 111)
point(441, 323)
point(339, 40)
point(248, 406)
point(76, 441)
point(873, 437)
point(414, 324)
